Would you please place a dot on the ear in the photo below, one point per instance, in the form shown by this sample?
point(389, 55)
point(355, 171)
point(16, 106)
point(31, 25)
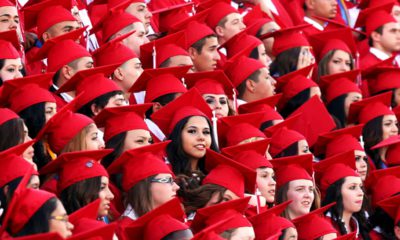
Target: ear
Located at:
point(5, 190)
point(250, 85)
point(309, 4)
point(156, 106)
point(192, 53)
point(46, 36)
point(397, 232)
point(219, 31)
point(118, 74)
point(95, 110)
point(67, 72)
point(375, 36)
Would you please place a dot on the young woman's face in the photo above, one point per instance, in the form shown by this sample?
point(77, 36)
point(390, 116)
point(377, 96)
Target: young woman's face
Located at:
point(361, 163)
point(12, 69)
point(352, 194)
point(196, 137)
point(93, 142)
point(389, 126)
point(340, 62)
point(266, 183)
point(262, 55)
point(50, 109)
point(59, 222)
point(29, 152)
point(290, 234)
point(34, 182)
point(137, 138)
point(106, 197)
point(352, 97)
point(303, 147)
point(243, 233)
point(162, 192)
point(301, 192)
point(215, 198)
point(219, 103)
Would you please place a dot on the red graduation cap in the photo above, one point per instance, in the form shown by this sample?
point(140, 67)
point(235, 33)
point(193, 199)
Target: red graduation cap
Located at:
point(196, 31)
point(114, 52)
point(158, 223)
point(265, 105)
point(255, 19)
point(314, 224)
point(282, 139)
point(373, 3)
point(25, 92)
point(391, 207)
point(211, 215)
point(140, 163)
point(23, 205)
point(383, 183)
point(167, 13)
point(46, 14)
point(334, 168)
point(189, 104)
point(393, 147)
point(62, 50)
point(383, 79)
point(250, 154)
point(9, 43)
point(199, 17)
point(234, 129)
point(326, 41)
point(7, 115)
point(74, 167)
point(63, 126)
point(315, 119)
point(209, 233)
point(339, 141)
point(113, 120)
point(4, 3)
point(293, 168)
point(89, 211)
point(338, 84)
point(160, 81)
point(85, 80)
point(270, 222)
point(41, 236)
point(230, 174)
point(235, 44)
point(100, 232)
point(13, 165)
point(212, 82)
point(293, 83)
point(370, 108)
point(287, 38)
point(374, 17)
point(240, 67)
point(349, 236)
point(218, 11)
point(165, 48)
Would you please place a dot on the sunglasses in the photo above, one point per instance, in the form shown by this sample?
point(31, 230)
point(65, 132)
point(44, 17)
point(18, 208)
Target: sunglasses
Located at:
point(169, 180)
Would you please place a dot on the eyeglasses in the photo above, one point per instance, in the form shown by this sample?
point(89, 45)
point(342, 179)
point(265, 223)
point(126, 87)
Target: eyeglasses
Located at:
point(63, 218)
point(169, 180)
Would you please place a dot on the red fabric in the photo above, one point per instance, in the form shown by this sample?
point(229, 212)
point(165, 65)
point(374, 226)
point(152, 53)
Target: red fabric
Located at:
point(34, 67)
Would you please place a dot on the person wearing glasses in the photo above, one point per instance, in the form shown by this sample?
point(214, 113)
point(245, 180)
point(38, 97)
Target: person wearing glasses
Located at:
point(146, 180)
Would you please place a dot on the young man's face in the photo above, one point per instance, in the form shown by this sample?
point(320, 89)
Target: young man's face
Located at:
point(207, 59)
point(323, 8)
point(390, 37)
point(137, 39)
point(140, 11)
point(234, 24)
point(9, 19)
point(265, 87)
point(59, 29)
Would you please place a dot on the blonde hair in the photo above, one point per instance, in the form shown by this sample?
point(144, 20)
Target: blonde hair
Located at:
point(78, 143)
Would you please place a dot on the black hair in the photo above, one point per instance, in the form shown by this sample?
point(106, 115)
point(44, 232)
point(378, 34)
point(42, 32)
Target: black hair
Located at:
point(295, 102)
point(162, 100)
point(5, 198)
point(285, 62)
point(99, 102)
point(117, 144)
point(242, 86)
point(35, 119)
point(372, 134)
point(383, 220)
point(200, 43)
point(80, 194)
point(336, 108)
point(177, 157)
point(334, 194)
point(266, 125)
point(378, 30)
point(292, 150)
point(254, 53)
point(39, 222)
point(12, 133)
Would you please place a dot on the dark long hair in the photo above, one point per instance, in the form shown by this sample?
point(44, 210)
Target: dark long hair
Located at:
point(198, 198)
point(117, 144)
point(285, 62)
point(12, 133)
point(336, 108)
point(35, 119)
point(80, 194)
point(39, 222)
point(334, 194)
point(292, 150)
point(383, 220)
point(177, 157)
point(372, 134)
point(295, 102)
point(5, 198)
point(139, 197)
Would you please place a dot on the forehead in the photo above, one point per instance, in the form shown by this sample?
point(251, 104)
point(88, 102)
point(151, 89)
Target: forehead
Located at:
point(301, 183)
point(138, 26)
point(352, 180)
point(389, 117)
point(209, 95)
point(233, 16)
point(391, 25)
point(12, 11)
point(197, 121)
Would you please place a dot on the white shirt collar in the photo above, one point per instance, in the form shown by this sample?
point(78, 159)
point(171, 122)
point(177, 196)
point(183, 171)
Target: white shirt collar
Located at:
point(130, 212)
point(314, 23)
point(378, 53)
point(65, 96)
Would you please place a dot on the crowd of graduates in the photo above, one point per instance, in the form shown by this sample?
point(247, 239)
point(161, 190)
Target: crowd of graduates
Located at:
point(203, 119)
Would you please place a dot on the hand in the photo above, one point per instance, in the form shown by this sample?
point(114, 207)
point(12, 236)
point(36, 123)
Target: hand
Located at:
point(306, 58)
point(30, 39)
